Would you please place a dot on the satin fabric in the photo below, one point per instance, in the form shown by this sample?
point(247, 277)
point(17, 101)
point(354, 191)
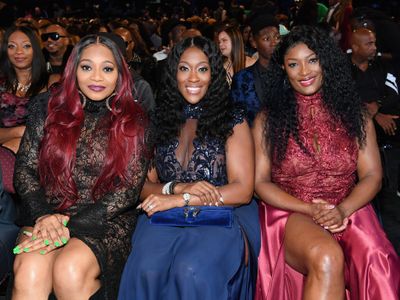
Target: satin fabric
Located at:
point(204, 262)
point(371, 270)
point(194, 263)
point(328, 172)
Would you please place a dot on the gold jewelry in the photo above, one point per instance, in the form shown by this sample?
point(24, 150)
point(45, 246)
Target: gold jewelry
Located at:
point(22, 87)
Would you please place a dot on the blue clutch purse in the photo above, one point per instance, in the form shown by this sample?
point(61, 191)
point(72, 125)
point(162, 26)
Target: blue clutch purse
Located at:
point(194, 216)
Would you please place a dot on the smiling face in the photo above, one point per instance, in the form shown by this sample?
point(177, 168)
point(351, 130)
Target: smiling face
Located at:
point(193, 75)
point(97, 72)
point(58, 46)
point(303, 69)
point(19, 50)
point(225, 44)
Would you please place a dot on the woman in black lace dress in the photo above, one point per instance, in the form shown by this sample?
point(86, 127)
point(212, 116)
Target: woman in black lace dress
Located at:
point(79, 171)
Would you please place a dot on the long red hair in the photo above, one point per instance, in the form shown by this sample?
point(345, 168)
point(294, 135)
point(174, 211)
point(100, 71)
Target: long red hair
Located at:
point(125, 125)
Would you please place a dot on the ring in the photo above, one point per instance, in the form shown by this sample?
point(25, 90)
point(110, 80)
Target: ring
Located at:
point(151, 206)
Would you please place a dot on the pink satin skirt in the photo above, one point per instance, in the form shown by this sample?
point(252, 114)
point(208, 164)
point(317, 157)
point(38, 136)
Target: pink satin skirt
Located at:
point(372, 268)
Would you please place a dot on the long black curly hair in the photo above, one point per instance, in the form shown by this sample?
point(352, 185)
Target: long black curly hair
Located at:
point(216, 106)
point(338, 91)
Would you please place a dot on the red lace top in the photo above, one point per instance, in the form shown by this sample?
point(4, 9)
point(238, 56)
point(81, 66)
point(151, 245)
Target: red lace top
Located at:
point(329, 170)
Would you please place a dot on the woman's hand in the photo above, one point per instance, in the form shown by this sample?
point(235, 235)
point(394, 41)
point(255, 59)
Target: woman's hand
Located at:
point(159, 202)
point(208, 193)
point(29, 243)
point(51, 229)
point(329, 216)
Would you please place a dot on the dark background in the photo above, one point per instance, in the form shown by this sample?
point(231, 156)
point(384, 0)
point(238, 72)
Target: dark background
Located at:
point(110, 8)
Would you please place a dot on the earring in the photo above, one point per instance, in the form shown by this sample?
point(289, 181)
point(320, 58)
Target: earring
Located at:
point(108, 102)
point(285, 83)
point(83, 99)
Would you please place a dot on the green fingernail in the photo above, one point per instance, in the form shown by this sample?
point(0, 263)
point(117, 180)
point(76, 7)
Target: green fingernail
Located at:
point(34, 237)
point(46, 242)
point(64, 240)
point(17, 250)
point(26, 249)
point(42, 252)
point(65, 222)
point(57, 244)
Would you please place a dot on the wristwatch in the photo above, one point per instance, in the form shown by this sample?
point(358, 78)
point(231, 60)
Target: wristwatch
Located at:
point(186, 198)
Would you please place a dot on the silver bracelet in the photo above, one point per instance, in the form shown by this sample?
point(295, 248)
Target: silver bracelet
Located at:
point(186, 199)
point(165, 188)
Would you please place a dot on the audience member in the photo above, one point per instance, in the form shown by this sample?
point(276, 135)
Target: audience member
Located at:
point(203, 156)
point(377, 83)
point(247, 83)
point(57, 47)
point(79, 172)
point(231, 45)
point(317, 169)
point(24, 75)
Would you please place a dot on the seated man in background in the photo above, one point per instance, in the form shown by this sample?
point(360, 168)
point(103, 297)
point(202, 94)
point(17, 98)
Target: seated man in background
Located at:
point(57, 47)
point(377, 83)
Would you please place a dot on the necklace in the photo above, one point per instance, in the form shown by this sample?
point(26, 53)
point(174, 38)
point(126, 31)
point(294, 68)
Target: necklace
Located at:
point(22, 87)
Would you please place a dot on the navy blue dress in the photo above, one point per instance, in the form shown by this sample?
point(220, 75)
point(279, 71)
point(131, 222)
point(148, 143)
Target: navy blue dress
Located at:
point(193, 262)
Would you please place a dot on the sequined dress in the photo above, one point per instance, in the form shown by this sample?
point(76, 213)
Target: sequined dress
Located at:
point(205, 262)
point(105, 225)
point(328, 172)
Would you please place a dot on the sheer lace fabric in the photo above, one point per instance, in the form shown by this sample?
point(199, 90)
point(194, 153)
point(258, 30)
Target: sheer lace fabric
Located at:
point(207, 159)
point(104, 225)
point(328, 171)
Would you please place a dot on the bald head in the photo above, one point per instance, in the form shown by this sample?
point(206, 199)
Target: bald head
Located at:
point(363, 44)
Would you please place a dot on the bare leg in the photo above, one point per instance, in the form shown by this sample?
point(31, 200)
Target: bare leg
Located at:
point(314, 252)
point(32, 275)
point(76, 272)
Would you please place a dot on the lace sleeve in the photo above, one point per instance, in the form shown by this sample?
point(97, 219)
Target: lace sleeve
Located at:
point(239, 115)
point(93, 219)
point(33, 203)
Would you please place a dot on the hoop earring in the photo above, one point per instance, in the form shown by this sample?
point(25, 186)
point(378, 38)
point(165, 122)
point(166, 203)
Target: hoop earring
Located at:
point(108, 102)
point(83, 99)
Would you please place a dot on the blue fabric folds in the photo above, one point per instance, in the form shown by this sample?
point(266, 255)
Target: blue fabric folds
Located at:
point(194, 262)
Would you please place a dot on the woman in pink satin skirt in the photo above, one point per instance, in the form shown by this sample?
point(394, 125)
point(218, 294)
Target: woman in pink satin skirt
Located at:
point(317, 169)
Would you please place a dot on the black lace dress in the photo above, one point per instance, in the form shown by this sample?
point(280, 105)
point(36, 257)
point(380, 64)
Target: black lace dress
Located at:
point(105, 225)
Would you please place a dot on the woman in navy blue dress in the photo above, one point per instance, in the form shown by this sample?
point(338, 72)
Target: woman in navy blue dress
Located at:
point(203, 155)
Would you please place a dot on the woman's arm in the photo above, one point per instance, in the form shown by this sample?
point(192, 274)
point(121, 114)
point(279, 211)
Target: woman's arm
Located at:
point(369, 170)
point(266, 190)
point(240, 169)
point(7, 134)
point(240, 166)
point(370, 176)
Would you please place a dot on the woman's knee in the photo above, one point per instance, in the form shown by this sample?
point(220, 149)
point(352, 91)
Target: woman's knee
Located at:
point(326, 259)
point(29, 271)
point(69, 273)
